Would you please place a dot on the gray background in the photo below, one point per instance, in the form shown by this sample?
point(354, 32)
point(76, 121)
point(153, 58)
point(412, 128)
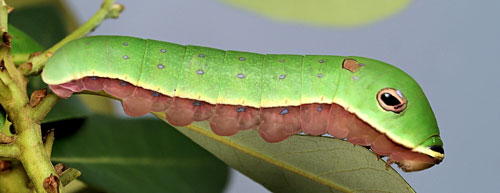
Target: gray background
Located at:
point(449, 46)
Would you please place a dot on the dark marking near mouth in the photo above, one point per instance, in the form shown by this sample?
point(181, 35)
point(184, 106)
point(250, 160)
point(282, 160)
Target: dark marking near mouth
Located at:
point(437, 148)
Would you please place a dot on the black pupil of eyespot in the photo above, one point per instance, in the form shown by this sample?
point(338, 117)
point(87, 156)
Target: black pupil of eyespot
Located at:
point(390, 100)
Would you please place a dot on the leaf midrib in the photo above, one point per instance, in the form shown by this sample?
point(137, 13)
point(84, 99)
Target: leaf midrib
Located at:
point(264, 157)
point(139, 161)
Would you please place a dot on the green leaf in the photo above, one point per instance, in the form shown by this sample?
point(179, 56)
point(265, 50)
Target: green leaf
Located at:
point(22, 45)
point(46, 21)
point(341, 13)
point(300, 163)
point(139, 155)
point(72, 108)
point(4, 124)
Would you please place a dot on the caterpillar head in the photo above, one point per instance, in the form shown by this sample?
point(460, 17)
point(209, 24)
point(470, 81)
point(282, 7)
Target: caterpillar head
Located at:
point(391, 102)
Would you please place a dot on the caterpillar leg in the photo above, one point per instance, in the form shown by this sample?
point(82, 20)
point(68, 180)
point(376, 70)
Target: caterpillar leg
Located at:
point(229, 119)
point(314, 118)
point(279, 123)
point(118, 88)
point(61, 91)
point(183, 112)
point(342, 124)
point(94, 83)
point(139, 103)
point(337, 125)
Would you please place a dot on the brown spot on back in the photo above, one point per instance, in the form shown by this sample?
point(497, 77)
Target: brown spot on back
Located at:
point(351, 65)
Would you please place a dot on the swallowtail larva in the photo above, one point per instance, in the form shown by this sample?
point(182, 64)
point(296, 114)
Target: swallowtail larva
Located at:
point(365, 101)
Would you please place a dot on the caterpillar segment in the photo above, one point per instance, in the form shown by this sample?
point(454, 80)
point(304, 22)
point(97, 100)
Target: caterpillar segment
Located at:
point(361, 100)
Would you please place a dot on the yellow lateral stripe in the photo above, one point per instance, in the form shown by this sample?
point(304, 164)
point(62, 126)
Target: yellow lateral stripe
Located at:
point(265, 103)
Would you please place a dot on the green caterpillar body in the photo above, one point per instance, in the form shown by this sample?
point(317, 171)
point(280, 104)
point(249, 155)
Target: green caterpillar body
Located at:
point(265, 89)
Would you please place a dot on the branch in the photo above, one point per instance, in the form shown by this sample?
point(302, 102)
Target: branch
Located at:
point(69, 175)
point(66, 175)
point(49, 142)
point(108, 10)
point(5, 139)
point(41, 110)
point(13, 84)
point(9, 90)
point(26, 117)
point(34, 156)
point(4, 91)
point(9, 151)
point(3, 16)
point(7, 63)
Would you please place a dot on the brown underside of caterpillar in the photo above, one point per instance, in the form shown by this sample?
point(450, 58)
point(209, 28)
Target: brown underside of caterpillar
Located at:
point(274, 124)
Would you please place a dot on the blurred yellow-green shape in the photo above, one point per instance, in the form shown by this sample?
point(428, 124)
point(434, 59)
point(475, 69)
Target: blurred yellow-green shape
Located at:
point(338, 13)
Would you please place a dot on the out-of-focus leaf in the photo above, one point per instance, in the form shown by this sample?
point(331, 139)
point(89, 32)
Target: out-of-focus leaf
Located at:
point(46, 21)
point(139, 155)
point(98, 104)
point(78, 186)
point(4, 124)
point(341, 13)
point(5, 128)
point(72, 108)
point(22, 45)
point(300, 163)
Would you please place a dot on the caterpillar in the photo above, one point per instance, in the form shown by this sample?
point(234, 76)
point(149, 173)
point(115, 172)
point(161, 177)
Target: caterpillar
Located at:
point(364, 101)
